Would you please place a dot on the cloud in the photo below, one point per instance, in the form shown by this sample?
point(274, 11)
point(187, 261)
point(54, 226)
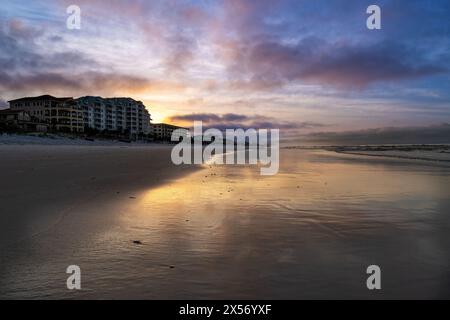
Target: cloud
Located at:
point(210, 117)
point(296, 58)
point(20, 53)
point(88, 83)
point(3, 104)
point(19, 30)
point(249, 38)
point(180, 53)
point(27, 69)
point(234, 121)
point(405, 135)
point(273, 44)
point(268, 64)
point(259, 44)
point(169, 29)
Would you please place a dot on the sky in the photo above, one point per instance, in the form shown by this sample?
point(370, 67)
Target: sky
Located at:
point(305, 67)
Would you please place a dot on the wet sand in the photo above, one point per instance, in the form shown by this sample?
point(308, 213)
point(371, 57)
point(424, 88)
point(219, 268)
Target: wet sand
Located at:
point(67, 194)
point(221, 232)
point(51, 181)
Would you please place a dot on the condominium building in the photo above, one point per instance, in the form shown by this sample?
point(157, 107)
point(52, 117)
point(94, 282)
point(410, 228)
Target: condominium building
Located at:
point(62, 114)
point(123, 115)
point(20, 120)
point(163, 131)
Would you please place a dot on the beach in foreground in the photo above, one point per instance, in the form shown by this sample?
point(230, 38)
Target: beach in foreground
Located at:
point(220, 232)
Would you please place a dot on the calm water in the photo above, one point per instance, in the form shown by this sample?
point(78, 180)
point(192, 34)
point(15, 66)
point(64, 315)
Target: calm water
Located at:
point(226, 232)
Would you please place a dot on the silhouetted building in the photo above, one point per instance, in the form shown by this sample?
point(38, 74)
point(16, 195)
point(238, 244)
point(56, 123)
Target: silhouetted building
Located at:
point(20, 120)
point(123, 115)
point(163, 131)
point(61, 114)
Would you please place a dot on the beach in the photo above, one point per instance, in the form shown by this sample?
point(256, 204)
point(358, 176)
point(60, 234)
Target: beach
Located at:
point(220, 232)
point(70, 191)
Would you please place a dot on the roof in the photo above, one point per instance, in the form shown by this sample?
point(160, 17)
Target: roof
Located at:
point(168, 125)
point(44, 97)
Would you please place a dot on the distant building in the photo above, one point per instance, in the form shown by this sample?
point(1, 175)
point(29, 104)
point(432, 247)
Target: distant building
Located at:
point(122, 115)
point(61, 114)
point(163, 131)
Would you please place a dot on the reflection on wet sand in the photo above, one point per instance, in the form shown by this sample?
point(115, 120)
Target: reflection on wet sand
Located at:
point(309, 231)
point(226, 232)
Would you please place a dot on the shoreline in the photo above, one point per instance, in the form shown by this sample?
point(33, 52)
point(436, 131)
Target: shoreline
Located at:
point(61, 140)
point(392, 156)
point(424, 152)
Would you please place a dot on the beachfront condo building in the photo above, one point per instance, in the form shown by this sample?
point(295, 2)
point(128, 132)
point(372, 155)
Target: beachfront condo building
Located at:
point(61, 114)
point(123, 115)
point(13, 120)
point(163, 131)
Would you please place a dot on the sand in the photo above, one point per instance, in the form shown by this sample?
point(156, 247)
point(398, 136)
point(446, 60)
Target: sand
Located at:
point(40, 184)
point(141, 228)
point(50, 139)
